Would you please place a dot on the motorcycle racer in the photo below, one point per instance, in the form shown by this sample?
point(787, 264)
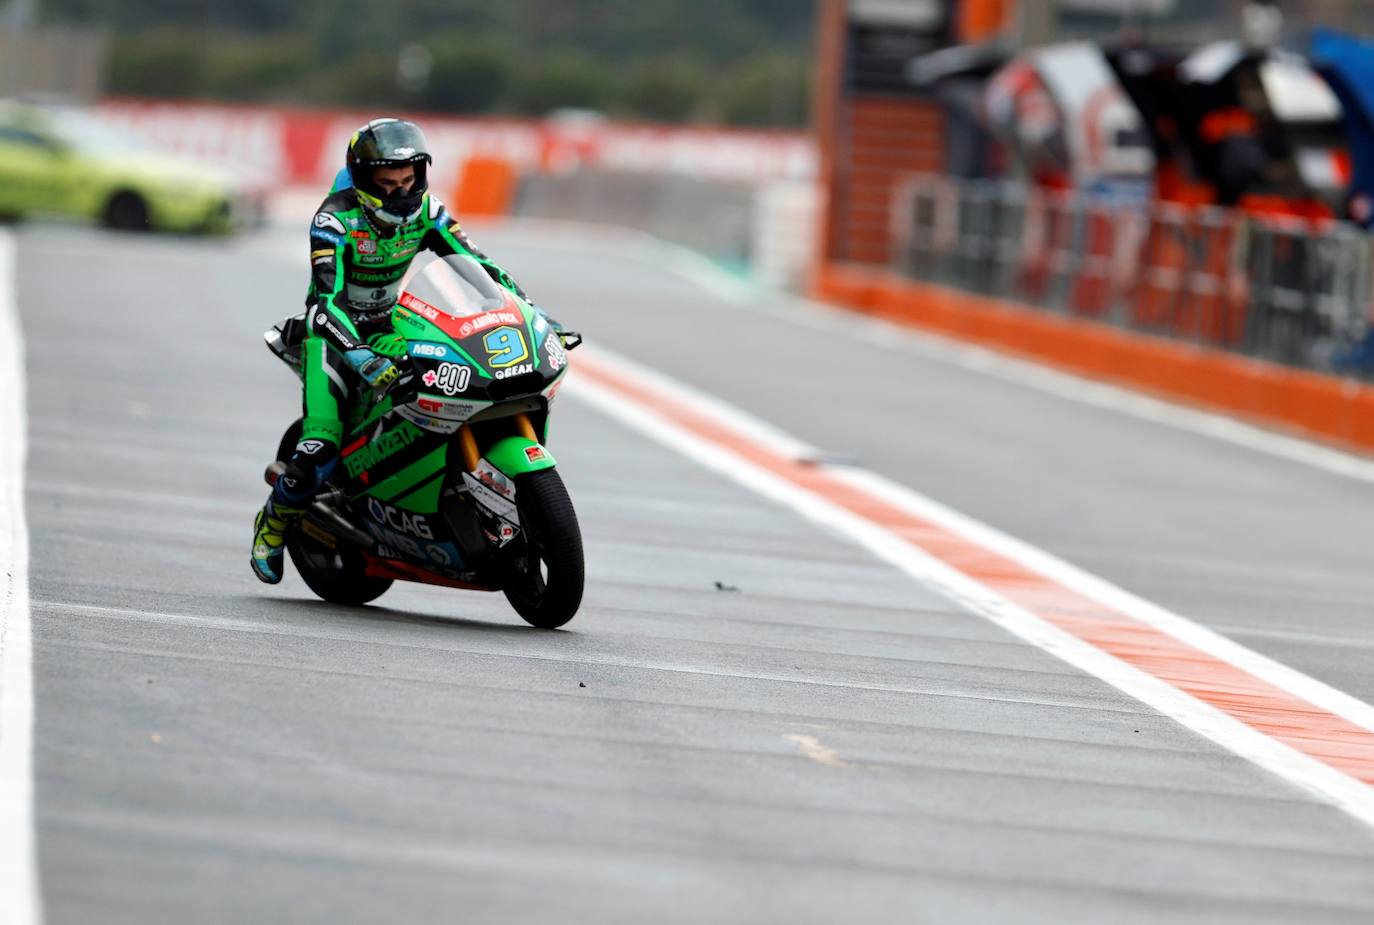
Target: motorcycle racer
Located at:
point(363, 238)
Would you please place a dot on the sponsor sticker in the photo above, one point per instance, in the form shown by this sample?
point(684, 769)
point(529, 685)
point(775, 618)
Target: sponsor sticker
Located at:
point(553, 345)
point(420, 307)
point(331, 237)
point(409, 320)
point(552, 390)
point(487, 320)
point(494, 479)
point(448, 410)
point(365, 245)
point(513, 371)
point(426, 349)
point(325, 221)
point(324, 321)
point(437, 425)
point(394, 545)
point(449, 378)
point(535, 454)
point(397, 519)
point(378, 449)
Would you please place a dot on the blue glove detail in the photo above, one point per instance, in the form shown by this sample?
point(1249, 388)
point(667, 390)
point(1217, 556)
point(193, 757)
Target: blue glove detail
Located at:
point(377, 371)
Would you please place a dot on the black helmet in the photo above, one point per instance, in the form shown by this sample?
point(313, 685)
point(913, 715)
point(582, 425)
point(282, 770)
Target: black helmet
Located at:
point(389, 143)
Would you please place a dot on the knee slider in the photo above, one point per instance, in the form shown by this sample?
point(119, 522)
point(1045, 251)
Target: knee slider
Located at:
point(309, 466)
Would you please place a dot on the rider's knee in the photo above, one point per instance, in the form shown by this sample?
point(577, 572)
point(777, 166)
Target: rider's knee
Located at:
point(309, 467)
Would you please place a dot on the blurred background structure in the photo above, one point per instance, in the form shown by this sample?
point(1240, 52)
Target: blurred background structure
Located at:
point(1145, 177)
point(1201, 171)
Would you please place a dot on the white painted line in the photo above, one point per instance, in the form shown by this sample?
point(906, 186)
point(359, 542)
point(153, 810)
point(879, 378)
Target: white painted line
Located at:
point(1246, 739)
point(20, 901)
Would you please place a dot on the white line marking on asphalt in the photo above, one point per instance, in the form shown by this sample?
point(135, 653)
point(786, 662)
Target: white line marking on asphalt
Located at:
point(1314, 777)
point(275, 627)
point(19, 892)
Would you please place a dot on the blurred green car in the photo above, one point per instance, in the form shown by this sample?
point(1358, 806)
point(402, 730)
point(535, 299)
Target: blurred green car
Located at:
point(59, 161)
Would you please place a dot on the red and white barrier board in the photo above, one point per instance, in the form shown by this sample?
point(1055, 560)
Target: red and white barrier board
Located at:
point(294, 147)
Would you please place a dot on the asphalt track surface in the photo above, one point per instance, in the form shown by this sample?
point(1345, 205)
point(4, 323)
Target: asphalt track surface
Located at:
point(775, 726)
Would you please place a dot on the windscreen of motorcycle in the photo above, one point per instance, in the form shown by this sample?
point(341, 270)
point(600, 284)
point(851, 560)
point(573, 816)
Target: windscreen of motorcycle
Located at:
point(458, 286)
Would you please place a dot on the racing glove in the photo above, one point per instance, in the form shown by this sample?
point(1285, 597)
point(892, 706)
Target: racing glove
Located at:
point(376, 370)
point(389, 345)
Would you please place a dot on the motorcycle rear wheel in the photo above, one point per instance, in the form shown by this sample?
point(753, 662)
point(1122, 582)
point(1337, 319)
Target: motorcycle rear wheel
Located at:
point(547, 573)
point(334, 575)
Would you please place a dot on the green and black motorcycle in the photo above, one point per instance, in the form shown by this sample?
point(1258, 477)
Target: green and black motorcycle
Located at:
point(447, 481)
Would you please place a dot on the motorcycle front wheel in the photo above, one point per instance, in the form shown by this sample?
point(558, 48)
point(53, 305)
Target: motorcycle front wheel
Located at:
point(546, 572)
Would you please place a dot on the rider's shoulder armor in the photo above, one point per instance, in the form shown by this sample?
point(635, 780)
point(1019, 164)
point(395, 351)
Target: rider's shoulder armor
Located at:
point(333, 220)
point(435, 210)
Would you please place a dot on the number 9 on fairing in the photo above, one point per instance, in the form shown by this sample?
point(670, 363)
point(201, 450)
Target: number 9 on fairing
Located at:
point(505, 347)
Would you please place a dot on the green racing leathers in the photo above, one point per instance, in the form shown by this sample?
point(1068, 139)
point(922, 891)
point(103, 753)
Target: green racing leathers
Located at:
point(357, 267)
point(356, 274)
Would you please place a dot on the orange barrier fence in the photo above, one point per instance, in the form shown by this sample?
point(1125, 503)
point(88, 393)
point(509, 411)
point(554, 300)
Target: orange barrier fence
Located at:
point(485, 188)
point(1323, 406)
point(1297, 291)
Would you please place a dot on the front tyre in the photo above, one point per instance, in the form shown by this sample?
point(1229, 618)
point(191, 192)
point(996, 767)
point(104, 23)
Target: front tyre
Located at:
point(546, 572)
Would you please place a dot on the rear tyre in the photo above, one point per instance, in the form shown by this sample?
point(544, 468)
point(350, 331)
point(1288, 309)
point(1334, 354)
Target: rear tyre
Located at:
point(127, 212)
point(335, 575)
point(546, 571)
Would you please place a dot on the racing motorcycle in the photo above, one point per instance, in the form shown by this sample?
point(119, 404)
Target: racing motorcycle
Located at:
point(444, 478)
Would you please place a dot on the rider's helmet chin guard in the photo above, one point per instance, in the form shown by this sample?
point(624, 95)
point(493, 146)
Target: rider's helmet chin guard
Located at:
point(389, 143)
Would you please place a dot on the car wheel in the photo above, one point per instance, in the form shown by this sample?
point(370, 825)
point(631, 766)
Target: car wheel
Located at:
point(127, 211)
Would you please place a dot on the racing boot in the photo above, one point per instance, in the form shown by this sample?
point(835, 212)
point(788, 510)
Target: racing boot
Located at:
point(269, 539)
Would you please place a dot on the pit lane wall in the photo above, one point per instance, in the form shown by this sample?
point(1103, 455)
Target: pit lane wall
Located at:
point(1264, 316)
point(714, 189)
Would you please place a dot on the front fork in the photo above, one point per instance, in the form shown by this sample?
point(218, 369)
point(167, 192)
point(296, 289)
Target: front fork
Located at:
point(513, 455)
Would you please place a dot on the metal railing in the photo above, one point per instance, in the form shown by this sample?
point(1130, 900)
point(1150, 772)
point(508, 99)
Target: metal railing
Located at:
point(1290, 290)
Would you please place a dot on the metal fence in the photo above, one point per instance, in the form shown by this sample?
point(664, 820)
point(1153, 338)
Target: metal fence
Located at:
point(1290, 290)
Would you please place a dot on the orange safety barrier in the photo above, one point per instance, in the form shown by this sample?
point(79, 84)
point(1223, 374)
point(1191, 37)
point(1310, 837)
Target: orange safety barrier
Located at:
point(1322, 406)
point(1188, 286)
point(1093, 287)
point(486, 187)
